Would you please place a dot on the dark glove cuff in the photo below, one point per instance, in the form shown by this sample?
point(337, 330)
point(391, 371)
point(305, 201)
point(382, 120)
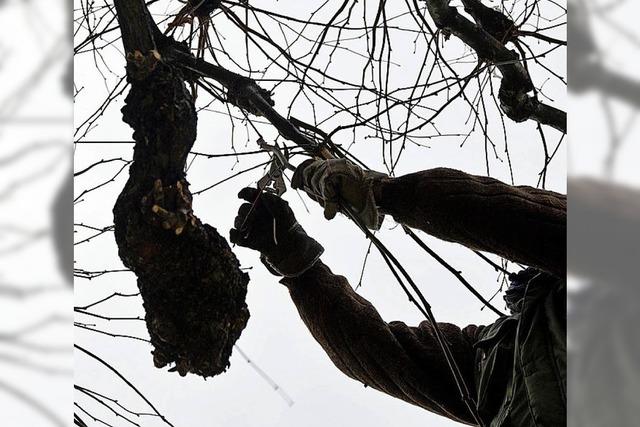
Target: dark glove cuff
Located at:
point(295, 254)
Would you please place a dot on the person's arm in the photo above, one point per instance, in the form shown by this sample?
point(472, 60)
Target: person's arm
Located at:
point(522, 224)
point(404, 362)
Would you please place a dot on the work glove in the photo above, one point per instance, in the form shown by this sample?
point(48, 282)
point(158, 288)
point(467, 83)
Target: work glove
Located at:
point(267, 224)
point(338, 181)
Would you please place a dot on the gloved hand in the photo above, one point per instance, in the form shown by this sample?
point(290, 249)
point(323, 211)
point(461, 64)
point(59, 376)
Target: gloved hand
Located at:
point(335, 181)
point(267, 224)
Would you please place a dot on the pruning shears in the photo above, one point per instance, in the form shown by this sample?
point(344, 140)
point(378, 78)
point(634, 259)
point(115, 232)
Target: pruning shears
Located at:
point(273, 181)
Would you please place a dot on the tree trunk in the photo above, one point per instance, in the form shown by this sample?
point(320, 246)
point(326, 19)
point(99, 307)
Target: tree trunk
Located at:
point(192, 287)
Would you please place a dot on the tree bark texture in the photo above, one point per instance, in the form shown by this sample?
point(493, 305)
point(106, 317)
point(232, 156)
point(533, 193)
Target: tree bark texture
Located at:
point(190, 281)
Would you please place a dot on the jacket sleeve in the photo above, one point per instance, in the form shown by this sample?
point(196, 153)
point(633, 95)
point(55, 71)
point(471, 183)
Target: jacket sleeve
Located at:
point(404, 362)
point(523, 224)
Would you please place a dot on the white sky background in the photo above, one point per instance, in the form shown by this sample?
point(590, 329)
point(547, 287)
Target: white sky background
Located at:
point(275, 337)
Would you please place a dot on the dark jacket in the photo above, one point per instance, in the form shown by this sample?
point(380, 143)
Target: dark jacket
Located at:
point(516, 367)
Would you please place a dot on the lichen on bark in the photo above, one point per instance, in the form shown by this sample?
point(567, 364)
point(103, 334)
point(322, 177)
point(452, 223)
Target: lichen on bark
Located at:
point(190, 281)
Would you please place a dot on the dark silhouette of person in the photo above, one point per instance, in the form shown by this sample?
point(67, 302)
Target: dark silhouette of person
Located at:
point(515, 367)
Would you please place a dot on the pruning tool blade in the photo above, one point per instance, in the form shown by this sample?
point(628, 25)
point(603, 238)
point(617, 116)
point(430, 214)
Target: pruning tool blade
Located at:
point(273, 181)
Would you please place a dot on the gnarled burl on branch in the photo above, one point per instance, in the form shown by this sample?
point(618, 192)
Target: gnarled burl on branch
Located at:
point(190, 281)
